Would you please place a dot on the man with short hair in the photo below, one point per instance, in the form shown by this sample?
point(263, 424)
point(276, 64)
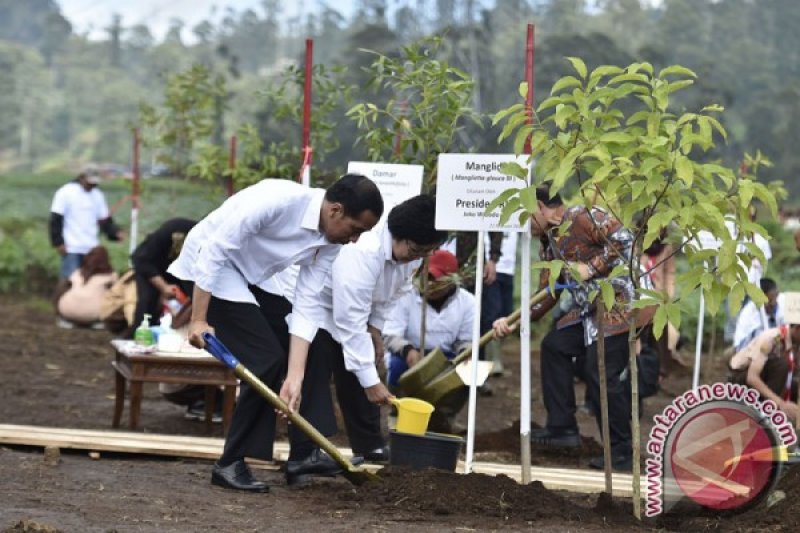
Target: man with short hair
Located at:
point(255, 234)
point(366, 279)
point(752, 319)
point(79, 208)
point(591, 242)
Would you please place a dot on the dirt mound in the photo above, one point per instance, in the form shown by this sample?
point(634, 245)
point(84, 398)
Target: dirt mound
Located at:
point(507, 441)
point(434, 492)
point(781, 515)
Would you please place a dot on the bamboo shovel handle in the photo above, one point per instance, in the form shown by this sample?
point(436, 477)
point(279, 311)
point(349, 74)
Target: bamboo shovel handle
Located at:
point(512, 319)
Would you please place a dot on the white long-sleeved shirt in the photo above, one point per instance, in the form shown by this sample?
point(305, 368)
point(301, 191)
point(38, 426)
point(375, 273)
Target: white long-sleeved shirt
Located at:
point(450, 328)
point(364, 282)
point(752, 320)
point(256, 233)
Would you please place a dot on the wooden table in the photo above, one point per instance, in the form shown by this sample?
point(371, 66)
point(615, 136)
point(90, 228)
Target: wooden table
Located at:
point(187, 369)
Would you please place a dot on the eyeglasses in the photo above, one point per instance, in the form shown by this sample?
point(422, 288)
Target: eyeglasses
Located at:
point(416, 250)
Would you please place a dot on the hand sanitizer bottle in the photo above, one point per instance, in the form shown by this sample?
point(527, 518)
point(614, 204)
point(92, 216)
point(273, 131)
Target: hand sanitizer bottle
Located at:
point(143, 336)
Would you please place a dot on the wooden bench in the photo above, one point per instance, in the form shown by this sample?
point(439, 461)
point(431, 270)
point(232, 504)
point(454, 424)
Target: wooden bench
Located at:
point(186, 369)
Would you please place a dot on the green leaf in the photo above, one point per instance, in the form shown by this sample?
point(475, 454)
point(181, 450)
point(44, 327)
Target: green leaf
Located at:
point(615, 137)
point(684, 169)
point(527, 198)
point(564, 83)
point(523, 90)
point(578, 65)
point(607, 291)
point(676, 69)
point(659, 321)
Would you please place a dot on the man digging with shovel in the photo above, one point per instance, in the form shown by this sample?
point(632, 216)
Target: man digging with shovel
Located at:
point(255, 234)
point(366, 279)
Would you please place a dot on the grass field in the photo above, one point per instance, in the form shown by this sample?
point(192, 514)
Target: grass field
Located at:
point(28, 262)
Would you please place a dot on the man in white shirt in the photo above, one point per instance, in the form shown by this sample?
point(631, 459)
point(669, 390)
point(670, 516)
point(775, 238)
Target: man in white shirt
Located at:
point(752, 319)
point(448, 326)
point(366, 279)
point(78, 210)
point(255, 234)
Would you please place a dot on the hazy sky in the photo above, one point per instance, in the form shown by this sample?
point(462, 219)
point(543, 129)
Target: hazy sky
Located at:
point(94, 15)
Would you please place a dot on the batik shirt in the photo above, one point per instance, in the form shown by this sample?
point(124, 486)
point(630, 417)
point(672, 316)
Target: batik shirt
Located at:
point(596, 238)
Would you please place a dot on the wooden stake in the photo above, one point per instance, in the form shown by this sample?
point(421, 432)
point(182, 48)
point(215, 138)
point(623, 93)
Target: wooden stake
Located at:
point(635, 426)
point(424, 312)
point(601, 369)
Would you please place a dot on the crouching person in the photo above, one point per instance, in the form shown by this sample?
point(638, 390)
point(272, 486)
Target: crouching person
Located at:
point(765, 364)
point(448, 326)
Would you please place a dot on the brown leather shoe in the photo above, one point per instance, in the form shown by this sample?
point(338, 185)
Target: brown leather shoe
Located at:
point(237, 476)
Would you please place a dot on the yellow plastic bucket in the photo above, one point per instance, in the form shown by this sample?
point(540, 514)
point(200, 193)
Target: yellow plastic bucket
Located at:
point(412, 415)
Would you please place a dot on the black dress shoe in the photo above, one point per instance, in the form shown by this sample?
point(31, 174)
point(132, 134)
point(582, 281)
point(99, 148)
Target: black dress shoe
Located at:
point(237, 476)
point(378, 455)
point(318, 463)
point(556, 438)
point(621, 463)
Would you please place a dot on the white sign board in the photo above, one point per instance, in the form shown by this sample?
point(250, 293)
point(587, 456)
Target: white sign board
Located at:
point(791, 307)
point(466, 184)
point(397, 183)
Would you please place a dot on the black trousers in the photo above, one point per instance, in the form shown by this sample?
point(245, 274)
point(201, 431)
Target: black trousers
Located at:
point(619, 391)
point(259, 337)
point(362, 418)
point(559, 348)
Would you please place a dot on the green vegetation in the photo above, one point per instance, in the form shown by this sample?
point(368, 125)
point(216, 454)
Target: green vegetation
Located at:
point(27, 261)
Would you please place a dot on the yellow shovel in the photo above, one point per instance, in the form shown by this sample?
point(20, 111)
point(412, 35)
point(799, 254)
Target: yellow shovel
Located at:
point(354, 474)
point(429, 370)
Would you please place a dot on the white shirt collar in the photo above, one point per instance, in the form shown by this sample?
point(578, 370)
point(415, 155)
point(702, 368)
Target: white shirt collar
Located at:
point(387, 244)
point(313, 213)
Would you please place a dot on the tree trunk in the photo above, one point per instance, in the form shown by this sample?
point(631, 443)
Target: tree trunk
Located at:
point(601, 370)
point(635, 427)
point(423, 314)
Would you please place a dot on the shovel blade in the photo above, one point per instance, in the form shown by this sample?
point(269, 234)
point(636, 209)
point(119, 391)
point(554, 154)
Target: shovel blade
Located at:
point(416, 377)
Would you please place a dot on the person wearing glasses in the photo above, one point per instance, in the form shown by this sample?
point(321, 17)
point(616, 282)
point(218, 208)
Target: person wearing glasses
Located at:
point(366, 279)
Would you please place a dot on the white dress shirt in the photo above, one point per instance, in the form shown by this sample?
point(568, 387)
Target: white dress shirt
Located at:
point(256, 233)
point(449, 328)
point(364, 282)
point(508, 252)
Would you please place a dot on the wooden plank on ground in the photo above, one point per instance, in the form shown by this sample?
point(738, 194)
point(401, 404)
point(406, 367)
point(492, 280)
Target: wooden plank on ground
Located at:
point(210, 448)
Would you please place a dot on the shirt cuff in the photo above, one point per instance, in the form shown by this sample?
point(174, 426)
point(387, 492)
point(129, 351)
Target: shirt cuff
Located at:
point(376, 322)
point(367, 376)
point(299, 326)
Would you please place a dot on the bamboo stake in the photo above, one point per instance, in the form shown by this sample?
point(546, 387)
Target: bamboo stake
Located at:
point(601, 369)
point(424, 313)
point(635, 426)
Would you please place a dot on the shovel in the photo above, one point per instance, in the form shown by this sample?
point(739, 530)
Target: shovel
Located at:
point(432, 365)
point(354, 474)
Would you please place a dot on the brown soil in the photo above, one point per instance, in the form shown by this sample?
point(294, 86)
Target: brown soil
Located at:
point(63, 378)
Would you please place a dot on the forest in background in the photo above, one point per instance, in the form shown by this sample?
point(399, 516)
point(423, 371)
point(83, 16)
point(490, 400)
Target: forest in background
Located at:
point(66, 100)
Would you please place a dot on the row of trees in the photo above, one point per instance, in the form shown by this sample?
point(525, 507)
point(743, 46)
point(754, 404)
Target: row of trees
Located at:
point(66, 98)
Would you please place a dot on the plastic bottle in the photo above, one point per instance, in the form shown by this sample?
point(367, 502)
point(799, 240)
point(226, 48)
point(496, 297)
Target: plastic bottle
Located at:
point(169, 340)
point(143, 336)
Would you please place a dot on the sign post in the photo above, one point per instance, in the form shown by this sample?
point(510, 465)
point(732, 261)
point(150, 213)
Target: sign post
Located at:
point(397, 183)
point(465, 185)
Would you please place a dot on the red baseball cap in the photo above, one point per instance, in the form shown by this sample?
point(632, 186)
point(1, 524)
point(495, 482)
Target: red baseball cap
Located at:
point(442, 263)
